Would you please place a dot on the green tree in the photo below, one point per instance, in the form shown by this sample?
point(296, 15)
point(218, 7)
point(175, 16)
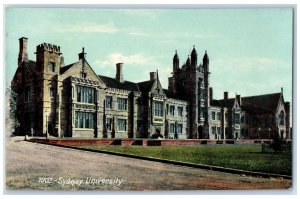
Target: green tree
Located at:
point(13, 109)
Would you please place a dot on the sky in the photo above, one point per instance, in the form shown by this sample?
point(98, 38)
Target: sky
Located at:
point(250, 49)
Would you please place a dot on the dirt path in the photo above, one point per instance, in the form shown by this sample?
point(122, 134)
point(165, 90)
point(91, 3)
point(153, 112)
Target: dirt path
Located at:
point(28, 164)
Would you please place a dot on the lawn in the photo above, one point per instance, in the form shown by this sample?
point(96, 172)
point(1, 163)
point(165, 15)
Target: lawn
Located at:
point(245, 157)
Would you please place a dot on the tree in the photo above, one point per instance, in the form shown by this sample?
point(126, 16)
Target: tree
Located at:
point(13, 109)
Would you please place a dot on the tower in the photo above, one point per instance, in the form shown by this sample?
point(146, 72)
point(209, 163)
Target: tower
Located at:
point(48, 63)
point(191, 83)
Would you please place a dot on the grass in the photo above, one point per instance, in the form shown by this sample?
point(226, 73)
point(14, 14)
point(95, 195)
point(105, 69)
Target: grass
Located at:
point(245, 157)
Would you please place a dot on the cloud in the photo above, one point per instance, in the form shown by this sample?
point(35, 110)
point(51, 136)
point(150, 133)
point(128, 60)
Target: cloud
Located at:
point(136, 67)
point(114, 58)
point(88, 28)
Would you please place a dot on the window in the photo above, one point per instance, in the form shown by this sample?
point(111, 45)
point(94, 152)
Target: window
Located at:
point(52, 66)
point(179, 128)
point(84, 120)
point(108, 124)
point(213, 129)
point(158, 109)
point(172, 110)
point(237, 118)
point(27, 94)
point(121, 124)
point(243, 119)
point(172, 128)
point(202, 112)
point(85, 94)
point(213, 115)
point(108, 102)
point(219, 116)
point(122, 104)
point(180, 111)
point(51, 92)
point(281, 118)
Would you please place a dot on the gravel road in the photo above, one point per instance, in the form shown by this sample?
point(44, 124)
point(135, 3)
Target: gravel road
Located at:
point(32, 166)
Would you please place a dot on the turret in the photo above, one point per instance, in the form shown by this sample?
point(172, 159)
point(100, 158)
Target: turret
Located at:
point(205, 62)
point(175, 61)
point(194, 56)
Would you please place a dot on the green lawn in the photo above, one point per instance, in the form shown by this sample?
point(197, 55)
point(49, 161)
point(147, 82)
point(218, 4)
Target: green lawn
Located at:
point(245, 157)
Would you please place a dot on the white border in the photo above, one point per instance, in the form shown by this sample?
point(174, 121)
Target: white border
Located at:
point(155, 4)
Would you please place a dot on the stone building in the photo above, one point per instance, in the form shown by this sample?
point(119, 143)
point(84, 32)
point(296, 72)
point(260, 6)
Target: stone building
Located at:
point(73, 101)
point(252, 117)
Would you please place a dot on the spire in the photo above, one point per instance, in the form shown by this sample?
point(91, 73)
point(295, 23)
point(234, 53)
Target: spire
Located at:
point(175, 61)
point(194, 56)
point(205, 59)
point(194, 52)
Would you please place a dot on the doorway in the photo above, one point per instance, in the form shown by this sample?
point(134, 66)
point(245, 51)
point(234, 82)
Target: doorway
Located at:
point(200, 132)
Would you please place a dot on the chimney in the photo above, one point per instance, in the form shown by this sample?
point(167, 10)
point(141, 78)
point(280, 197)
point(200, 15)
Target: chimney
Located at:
point(152, 75)
point(225, 95)
point(119, 74)
point(238, 97)
point(23, 54)
point(211, 97)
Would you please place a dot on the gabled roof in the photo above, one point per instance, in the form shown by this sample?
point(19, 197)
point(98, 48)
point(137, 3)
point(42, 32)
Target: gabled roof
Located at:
point(261, 103)
point(65, 68)
point(146, 85)
point(113, 83)
point(253, 104)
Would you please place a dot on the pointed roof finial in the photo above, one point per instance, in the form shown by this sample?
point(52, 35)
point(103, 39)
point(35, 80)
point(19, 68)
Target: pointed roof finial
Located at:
point(82, 54)
point(193, 46)
point(281, 90)
point(205, 51)
point(157, 80)
point(176, 51)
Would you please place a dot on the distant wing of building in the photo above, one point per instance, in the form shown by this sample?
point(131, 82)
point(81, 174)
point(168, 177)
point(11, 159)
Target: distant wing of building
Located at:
point(73, 101)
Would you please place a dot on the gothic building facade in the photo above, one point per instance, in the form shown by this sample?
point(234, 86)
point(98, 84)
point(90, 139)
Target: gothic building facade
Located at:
point(73, 101)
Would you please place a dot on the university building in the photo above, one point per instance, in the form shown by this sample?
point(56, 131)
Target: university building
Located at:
point(73, 101)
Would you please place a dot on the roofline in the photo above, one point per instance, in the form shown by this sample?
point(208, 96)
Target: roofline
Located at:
point(262, 95)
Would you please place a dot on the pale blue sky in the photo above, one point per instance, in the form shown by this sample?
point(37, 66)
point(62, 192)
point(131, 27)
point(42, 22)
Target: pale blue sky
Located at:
point(250, 50)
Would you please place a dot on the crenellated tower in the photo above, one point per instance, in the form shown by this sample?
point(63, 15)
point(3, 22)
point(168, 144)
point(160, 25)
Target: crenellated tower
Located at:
point(48, 64)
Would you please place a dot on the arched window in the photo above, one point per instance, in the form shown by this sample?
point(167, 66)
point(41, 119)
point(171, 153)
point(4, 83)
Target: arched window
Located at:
point(281, 118)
